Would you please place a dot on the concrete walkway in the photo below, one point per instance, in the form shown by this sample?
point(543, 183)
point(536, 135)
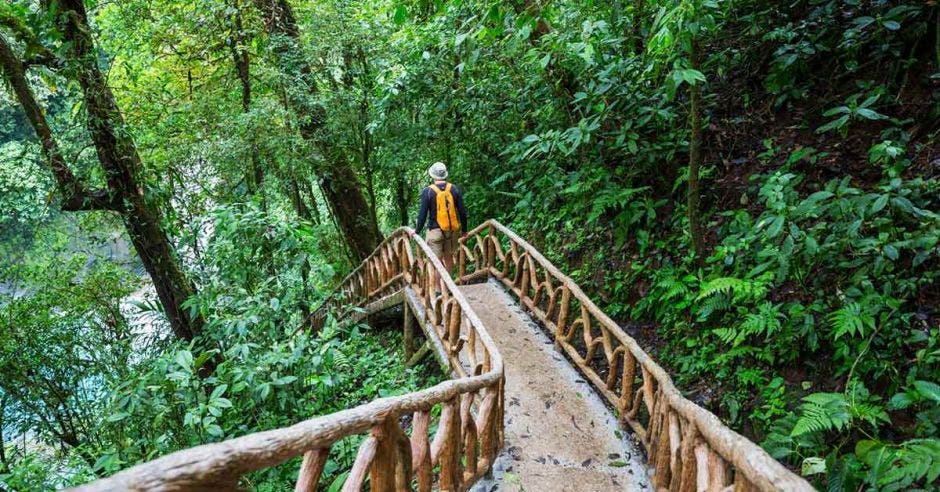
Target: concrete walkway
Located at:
point(559, 434)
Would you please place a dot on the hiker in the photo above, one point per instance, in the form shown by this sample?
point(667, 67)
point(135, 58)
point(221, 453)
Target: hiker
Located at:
point(448, 216)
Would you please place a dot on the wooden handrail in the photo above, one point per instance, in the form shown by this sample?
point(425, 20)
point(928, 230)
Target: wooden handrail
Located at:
point(468, 437)
point(688, 447)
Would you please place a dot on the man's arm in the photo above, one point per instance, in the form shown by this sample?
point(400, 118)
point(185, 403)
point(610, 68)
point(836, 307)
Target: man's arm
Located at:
point(422, 212)
point(461, 210)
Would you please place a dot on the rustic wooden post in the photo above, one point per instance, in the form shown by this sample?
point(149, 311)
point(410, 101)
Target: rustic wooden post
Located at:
point(408, 335)
point(486, 427)
point(420, 450)
point(491, 248)
point(453, 324)
point(461, 259)
point(357, 475)
point(718, 473)
point(563, 315)
point(446, 446)
point(701, 466)
point(382, 476)
point(469, 434)
point(675, 459)
point(659, 457)
point(690, 435)
point(626, 384)
point(311, 469)
point(403, 469)
point(613, 363)
point(472, 349)
point(522, 277)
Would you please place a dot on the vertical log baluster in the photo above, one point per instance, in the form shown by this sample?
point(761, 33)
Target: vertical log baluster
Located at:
point(486, 427)
point(357, 475)
point(446, 447)
point(453, 324)
point(401, 456)
point(468, 434)
point(472, 348)
point(586, 333)
point(521, 277)
point(408, 331)
point(563, 314)
point(382, 475)
point(648, 390)
point(533, 279)
point(613, 364)
point(626, 383)
point(675, 441)
point(491, 249)
point(689, 468)
point(718, 472)
point(420, 450)
point(310, 470)
point(552, 304)
point(659, 455)
point(461, 259)
point(702, 478)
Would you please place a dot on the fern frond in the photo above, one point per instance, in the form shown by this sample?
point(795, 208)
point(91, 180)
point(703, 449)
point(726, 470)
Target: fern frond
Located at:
point(739, 289)
point(342, 361)
point(725, 334)
point(851, 319)
point(913, 461)
point(822, 412)
point(673, 288)
point(712, 305)
point(721, 285)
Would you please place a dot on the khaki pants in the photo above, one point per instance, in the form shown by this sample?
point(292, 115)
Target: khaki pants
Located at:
point(442, 243)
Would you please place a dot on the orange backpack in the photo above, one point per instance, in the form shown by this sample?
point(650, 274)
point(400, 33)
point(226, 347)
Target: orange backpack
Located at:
point(446, 209)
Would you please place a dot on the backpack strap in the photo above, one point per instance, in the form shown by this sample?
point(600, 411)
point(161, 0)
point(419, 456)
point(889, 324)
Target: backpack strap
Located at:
point(438, 191)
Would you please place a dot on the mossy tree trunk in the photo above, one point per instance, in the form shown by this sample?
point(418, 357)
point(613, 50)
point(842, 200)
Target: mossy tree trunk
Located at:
point(695, 161)
point(118, 157)
point(338, 180)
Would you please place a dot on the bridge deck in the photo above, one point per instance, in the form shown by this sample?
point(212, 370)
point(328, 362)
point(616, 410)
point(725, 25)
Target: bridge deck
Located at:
point(559, 434)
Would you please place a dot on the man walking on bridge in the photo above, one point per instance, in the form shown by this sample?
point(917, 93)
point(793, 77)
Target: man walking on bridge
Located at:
point(448, 216)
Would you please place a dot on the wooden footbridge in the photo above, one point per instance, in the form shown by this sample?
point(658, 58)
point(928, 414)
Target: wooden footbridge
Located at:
point(570, 403)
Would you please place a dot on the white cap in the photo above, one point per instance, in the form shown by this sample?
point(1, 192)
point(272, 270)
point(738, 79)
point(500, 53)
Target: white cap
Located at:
point(438, 170)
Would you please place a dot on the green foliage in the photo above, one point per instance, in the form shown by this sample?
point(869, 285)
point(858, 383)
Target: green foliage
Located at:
point(900, 467)
point(852, 111)
point(23, 189)
point(813, 316)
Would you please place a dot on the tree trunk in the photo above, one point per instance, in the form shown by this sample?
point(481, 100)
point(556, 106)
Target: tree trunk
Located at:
point(337, 178)
point(637, 26)
point(242, 64)
point(118, 156)
point(695, 161)
point(4, 464)
point(304, 213)
point(401, 197)
point(312, 201)
point(365, 80)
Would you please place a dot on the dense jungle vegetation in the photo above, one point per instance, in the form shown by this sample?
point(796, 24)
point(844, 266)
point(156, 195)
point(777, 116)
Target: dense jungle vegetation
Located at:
point(751, 187)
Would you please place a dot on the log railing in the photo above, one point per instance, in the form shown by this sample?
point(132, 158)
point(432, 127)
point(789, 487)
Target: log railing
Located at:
point(469, 432)
point(688, 448)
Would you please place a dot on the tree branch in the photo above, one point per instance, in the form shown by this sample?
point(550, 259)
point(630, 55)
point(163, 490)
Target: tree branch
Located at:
point(74, 195)
point(35, 53)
